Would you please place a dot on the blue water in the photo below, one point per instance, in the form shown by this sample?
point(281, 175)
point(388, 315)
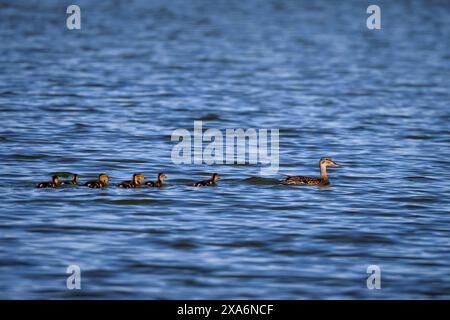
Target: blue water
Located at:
point(106, 98)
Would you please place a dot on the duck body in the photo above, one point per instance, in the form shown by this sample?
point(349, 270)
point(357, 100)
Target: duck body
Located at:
point(49, 184)
point(310, 181)
point(74, 181)
point(158, 183)
point(135, 182)
point(210, 182)
point(101, 182)
point(301, 180)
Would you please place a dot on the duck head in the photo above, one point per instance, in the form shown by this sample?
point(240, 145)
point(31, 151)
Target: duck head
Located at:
point(137, 178)
point(327, 162)
point(215, 177)
point(161, 176)
point(103, 178)
point(55, 179)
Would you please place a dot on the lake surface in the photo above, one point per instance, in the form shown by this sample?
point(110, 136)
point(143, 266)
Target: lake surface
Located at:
point(107, 98)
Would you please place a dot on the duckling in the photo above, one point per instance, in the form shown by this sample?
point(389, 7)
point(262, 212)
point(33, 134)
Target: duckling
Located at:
point(51, 184)
point(74, 180)
point(134, 183)
point(101, 182)
point(209, 182)
point(322, 181)
point(158, 183)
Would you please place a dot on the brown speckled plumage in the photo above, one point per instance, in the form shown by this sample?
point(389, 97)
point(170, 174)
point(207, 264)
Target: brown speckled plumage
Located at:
point(135, 182)
point(210, 182)
point(100, 183)
point(158, 183)
point(321, 181)
point(50, 184)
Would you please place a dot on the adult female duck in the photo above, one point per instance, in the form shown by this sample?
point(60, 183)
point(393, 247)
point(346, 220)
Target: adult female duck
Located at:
point(321, 181)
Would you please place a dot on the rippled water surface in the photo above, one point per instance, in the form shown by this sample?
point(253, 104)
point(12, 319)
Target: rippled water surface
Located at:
point(106, 98)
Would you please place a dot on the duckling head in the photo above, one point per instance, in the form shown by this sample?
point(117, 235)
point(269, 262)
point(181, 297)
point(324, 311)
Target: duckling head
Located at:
point(326, 161)
point(55, 179)
point(161, 176)
point(103, 178)
point(138, 177)
point(75, 178)
point(215, 177)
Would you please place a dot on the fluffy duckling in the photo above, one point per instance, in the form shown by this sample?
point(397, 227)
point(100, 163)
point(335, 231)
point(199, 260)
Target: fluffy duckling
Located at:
point(158, 183)
point(101, 182)
point(50, 184)
point(321, 181)
point(135, 182)
point(74, 180)
point(209, 182)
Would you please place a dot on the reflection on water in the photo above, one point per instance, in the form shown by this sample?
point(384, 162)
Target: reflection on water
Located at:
point(107, 97)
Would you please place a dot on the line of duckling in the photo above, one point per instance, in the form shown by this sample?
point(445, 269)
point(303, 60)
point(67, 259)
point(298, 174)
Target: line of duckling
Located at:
point(137, 179)
point(135, 182)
